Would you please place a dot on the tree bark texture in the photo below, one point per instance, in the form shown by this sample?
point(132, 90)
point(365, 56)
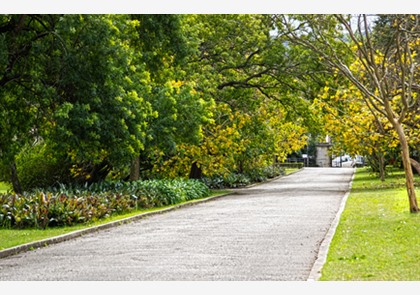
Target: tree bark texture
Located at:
point(195, 172)
point(409, 176)
point(381, 166)
point(14, 178)
point(416, 165)
point(135, 169)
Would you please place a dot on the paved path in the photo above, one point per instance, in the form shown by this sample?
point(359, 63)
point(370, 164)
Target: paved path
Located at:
point(270, 232)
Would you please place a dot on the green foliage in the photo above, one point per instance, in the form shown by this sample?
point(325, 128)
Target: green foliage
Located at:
point(103, 90)
point(83, 92)
point(38, 166)
point(25, 92)
point(181, 113)
point(4, 187)
point(251, 77)
point(235, 180)
point(161, 40)
point(103, 111)
point(74, 204)
point(297, 165)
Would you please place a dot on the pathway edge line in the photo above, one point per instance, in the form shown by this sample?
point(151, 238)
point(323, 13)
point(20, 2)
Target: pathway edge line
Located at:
point(316, 270)
point(65, 237)
point(75, 234)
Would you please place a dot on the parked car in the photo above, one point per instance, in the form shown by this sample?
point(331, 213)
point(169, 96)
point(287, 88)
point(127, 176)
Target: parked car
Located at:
point(359, 161)
point(338, 161)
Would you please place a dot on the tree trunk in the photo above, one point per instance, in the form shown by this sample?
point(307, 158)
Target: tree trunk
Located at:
point(409, 177)
point(377, 163)
point(135, 169)
point(381, 160)
point(15, 179)
point(99, 172)
point(416, 165)
point(195, 172)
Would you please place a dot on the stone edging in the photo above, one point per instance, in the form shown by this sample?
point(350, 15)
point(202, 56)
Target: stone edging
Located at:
point(269, 180)
point(315, 273)
point(61, 238)
point(65, 237)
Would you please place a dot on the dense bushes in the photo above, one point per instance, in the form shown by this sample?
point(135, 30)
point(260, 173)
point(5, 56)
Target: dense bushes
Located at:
point(81, 204)
point(298, 165)
point(235, 180)
point(74, 204)
point(38, 166)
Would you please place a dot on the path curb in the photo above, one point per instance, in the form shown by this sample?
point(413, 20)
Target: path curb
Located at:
point(65, 237)
point(268, 180)
point(315, 273)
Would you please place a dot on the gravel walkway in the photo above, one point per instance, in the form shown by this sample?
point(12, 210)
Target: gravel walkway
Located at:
point(268, 232)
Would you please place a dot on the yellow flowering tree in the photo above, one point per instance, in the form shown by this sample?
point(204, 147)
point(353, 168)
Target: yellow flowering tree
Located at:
point(237, 141)
point(354, 128)
point(386, 67)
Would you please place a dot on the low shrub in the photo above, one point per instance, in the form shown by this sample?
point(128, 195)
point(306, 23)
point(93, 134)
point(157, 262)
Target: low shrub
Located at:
point(38, 166)
point(235, 180)
point(69, 205)
point(298, 165)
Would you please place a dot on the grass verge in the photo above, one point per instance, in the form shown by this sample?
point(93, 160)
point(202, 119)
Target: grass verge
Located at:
point(377, 238)
point(291, 170)
point(11, 237)
point(14, 237)
point(4, 187)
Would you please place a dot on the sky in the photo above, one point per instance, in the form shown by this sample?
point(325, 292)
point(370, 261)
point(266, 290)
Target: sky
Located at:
point(213, 6)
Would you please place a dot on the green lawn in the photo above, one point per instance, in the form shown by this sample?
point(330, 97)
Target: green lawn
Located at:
point(291, 170)
point(377, 238)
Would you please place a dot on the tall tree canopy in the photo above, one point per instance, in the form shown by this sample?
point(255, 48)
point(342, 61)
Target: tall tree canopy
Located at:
point(190, 95)
point(75, 81)
point(383, 67)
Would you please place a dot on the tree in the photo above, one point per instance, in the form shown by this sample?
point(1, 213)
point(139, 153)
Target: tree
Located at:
point(80, 86)
point(248, 75)
point(384, 72)
point(102, 115)
point(180, 115)
point(353, 127)
point(23, 94)
point(179, 110)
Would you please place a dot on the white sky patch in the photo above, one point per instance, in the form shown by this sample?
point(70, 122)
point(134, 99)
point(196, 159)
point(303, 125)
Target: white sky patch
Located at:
point(355, 19)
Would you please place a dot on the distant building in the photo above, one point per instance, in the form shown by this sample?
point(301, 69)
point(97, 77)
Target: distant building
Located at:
point(322, 157)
